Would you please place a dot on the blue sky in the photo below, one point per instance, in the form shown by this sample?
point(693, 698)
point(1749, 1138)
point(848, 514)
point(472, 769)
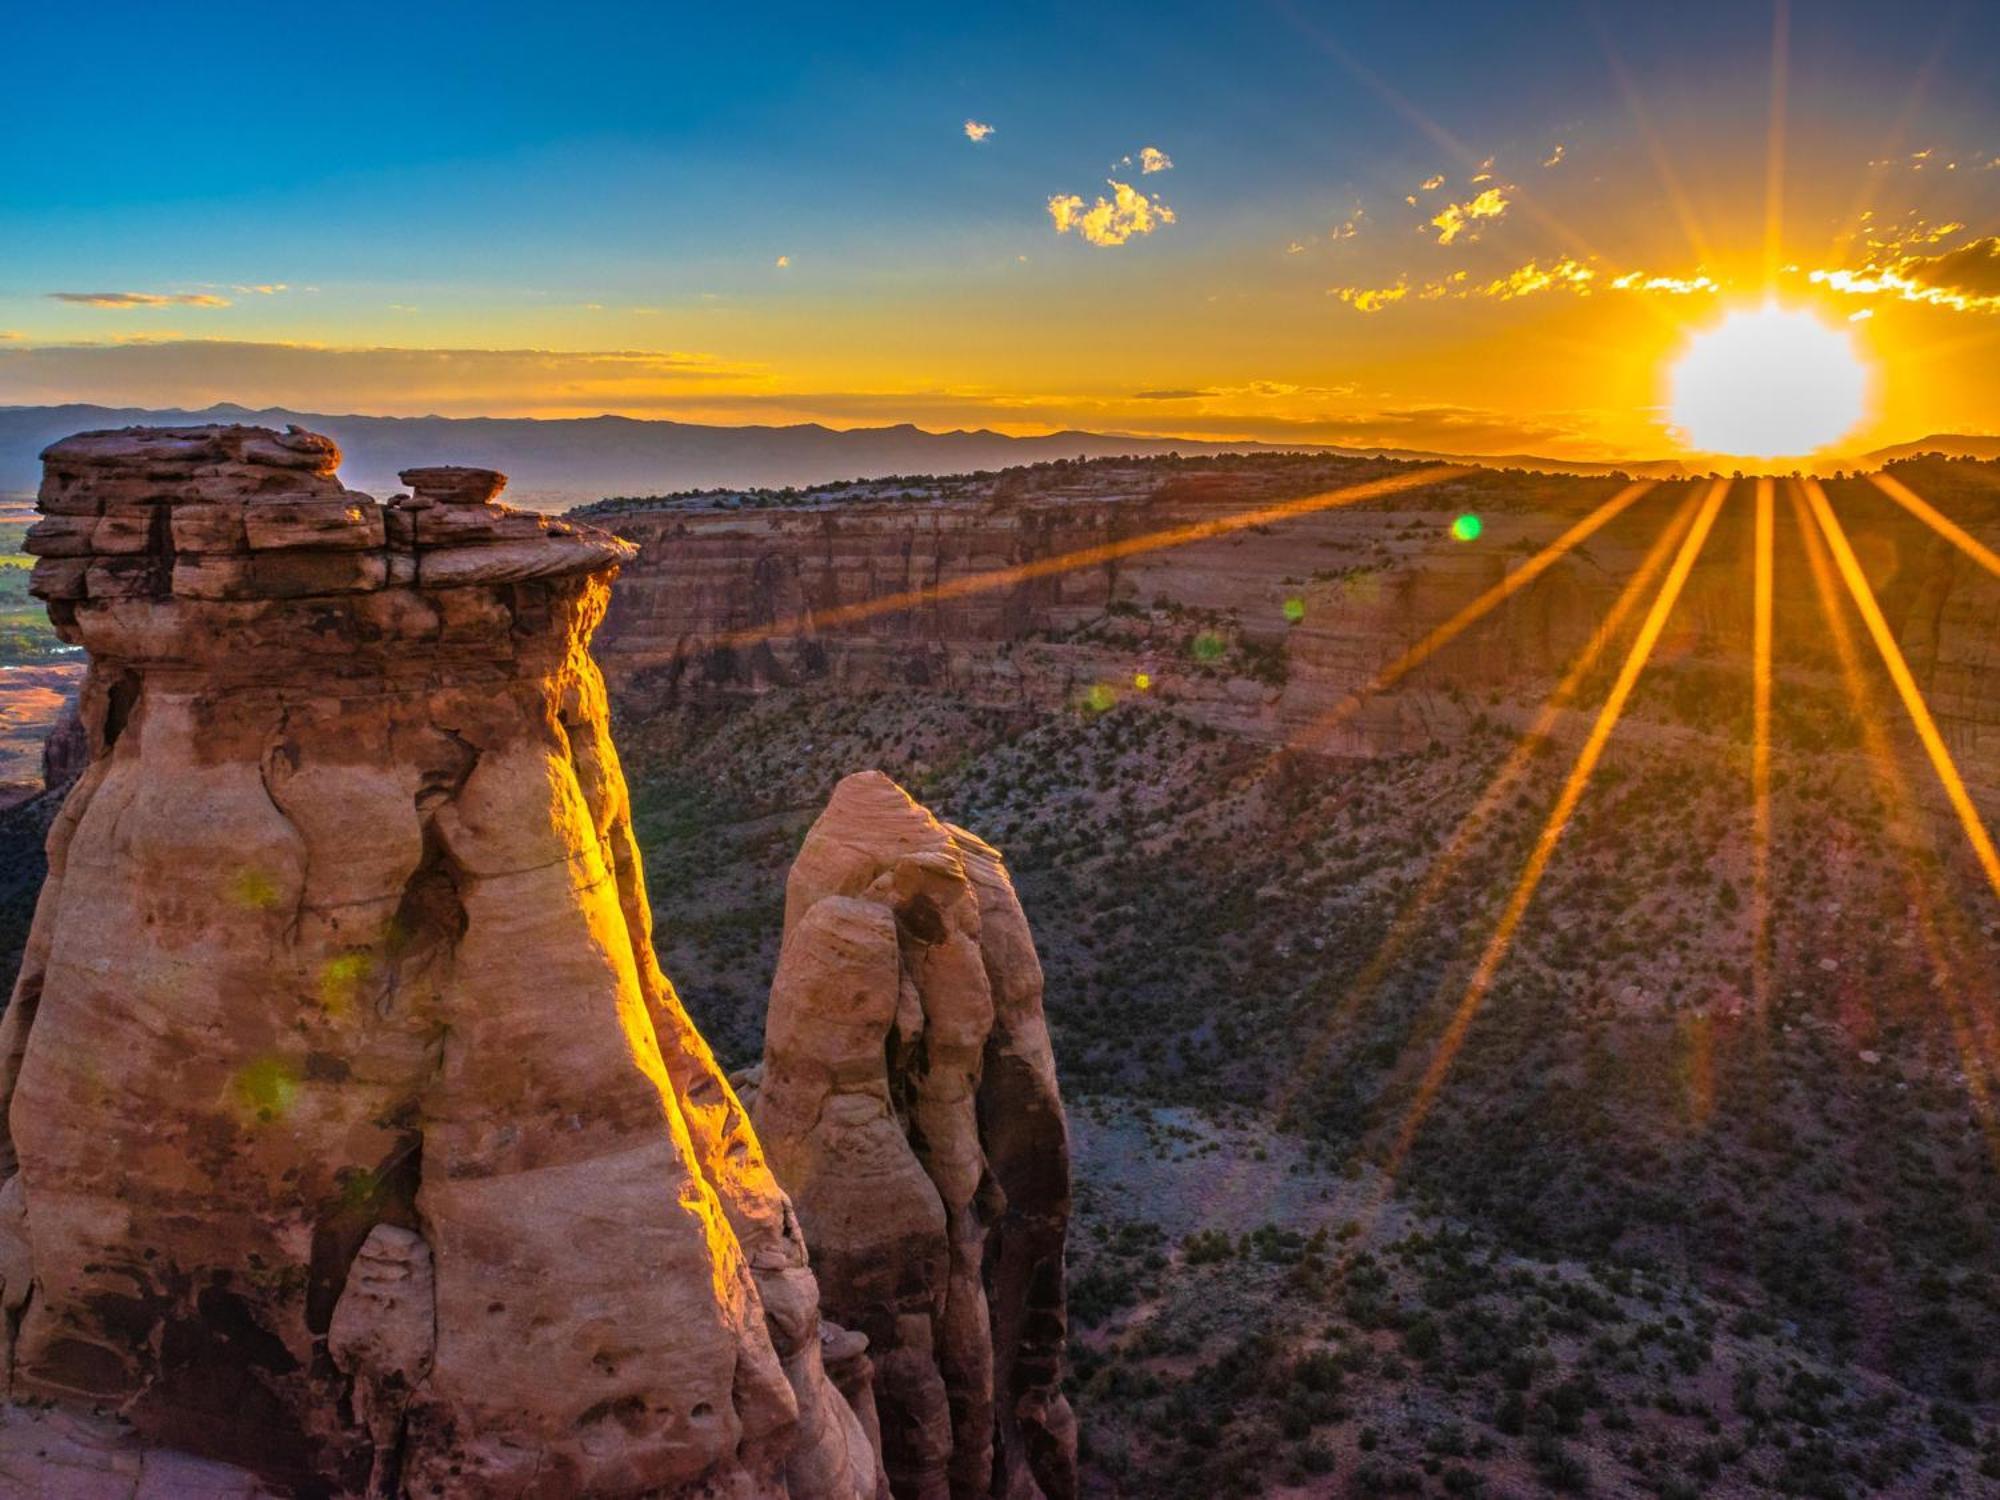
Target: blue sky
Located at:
point(598, 177)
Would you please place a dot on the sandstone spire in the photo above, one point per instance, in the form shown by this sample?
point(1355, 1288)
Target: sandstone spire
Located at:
point(353, 1133)
point(908, 1103)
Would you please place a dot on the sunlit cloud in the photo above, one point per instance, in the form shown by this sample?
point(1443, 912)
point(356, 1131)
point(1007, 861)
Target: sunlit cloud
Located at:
point(1672, 286)
point(1534, 277)
point(140, 299)
point(1370, 299)
point(1458, 217)
point(784, 262)
point(1153, 159)
point(1349, 227)
point(1966, 279)
point(977, 130)
point(260, 289)
point(1109, 221)
point(1295, 248)
point(1554, 158)
point(1431, 184)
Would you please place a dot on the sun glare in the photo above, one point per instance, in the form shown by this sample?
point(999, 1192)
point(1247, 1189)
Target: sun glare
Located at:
point(1768, 382)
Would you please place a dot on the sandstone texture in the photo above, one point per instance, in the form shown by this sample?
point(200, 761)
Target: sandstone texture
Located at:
point(907, 1101)
point(726, 601)
point(354, 1137)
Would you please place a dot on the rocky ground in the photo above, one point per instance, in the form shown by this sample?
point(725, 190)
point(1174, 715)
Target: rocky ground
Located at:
point(1649, 1239)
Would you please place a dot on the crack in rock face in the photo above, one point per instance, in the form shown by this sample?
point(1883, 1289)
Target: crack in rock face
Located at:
point(354, 1136)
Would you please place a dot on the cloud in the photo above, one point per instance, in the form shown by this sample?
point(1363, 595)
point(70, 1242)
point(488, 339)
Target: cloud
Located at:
point(7, 334)
point(977, 130)
point(1370, 299)
point(1554, 158)
point(1672, 286)
point(141, 299)
point(261, 289)
point(1526, 280)
point(1153, 159)
point(1264, 390)
point(1966, 279)
point(1349, 227)
point(1456, 217)
point(1431, 184)
point(1110, 221)
point(784, 262)
point(1295, 248)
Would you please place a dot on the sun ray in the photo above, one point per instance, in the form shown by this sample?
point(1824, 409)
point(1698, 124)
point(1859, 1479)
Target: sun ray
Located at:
point(1083, 557)
point(1472, 613)
point(1760, 750)
point(1942, 524)
point(1906, 685)
point(1774, 147)
point(1497, 947)
point(1410, 920)
point(1971, 1035)
point(1670, 181)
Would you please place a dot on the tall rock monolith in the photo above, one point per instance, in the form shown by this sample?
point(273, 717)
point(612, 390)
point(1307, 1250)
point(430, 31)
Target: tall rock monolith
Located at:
point(353, 1134)
point(907, 1101)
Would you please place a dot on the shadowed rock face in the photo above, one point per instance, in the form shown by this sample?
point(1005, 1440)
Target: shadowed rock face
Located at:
point(353, 1134)
point(908, 1102)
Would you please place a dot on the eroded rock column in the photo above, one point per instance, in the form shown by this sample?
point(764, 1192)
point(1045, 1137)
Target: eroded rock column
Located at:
point(353, 1133)
point(908, 1103)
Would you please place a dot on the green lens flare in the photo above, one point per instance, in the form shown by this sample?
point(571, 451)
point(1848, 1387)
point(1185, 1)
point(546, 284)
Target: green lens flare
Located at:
point(1295, 610)
point(1467, 527)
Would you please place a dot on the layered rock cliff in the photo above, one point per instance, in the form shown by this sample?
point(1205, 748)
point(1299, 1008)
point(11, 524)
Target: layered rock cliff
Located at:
point(1262, 630)
point(908, 1102)
point(353, 1134)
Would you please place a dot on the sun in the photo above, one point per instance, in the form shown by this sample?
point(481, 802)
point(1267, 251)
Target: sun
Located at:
point(1768, 382)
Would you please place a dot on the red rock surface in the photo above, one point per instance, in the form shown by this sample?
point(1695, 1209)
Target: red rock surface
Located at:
point(354, 1135)
point(908, 1102)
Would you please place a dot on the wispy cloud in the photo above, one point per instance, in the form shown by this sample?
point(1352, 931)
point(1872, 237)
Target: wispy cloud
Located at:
point(1966, 279)
point(1456, 218)
point(1368, 299)
point(784, 262)
point(1672, 286)
point(1431, 184)
point(1109, 221)
point(260, 289)
point(1153, 159)
point(141, 299)
point(1525, 281)
point(977, 130)
point(1554, 158)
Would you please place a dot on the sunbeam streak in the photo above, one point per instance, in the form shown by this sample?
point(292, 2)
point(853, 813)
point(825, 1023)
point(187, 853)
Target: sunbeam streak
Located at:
point(1906, 685)
point(1457, 625)
point(1760, 750)
point(1083, 557)
point(1552, 831)
point(1972, 1034)
point(1942, 524)
point(1413, 918)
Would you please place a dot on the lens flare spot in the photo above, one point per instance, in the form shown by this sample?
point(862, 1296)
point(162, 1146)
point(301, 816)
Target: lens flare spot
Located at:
point(266, 1089)
point(1467, 527)
point(1295, 609)
point(1208, 646)
point(1099, 698)
point(253, 888)
point(1143, 681)
point(340, 981)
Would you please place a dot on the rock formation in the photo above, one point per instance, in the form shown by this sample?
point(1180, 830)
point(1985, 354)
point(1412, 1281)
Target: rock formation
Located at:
point(353, 1134)
point(907, 1101)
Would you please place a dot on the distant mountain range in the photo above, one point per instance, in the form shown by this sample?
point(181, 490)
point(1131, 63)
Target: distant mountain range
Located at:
point(560, 462)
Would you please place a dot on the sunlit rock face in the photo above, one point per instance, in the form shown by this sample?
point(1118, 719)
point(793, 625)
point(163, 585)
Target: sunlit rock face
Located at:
point(354, 1135)
point(908, 1103)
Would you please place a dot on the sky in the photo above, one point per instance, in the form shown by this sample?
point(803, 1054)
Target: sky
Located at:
point(1478, 228)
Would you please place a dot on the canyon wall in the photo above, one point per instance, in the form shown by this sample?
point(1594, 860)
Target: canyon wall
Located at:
point(1265, 631)
point(353, 1134)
